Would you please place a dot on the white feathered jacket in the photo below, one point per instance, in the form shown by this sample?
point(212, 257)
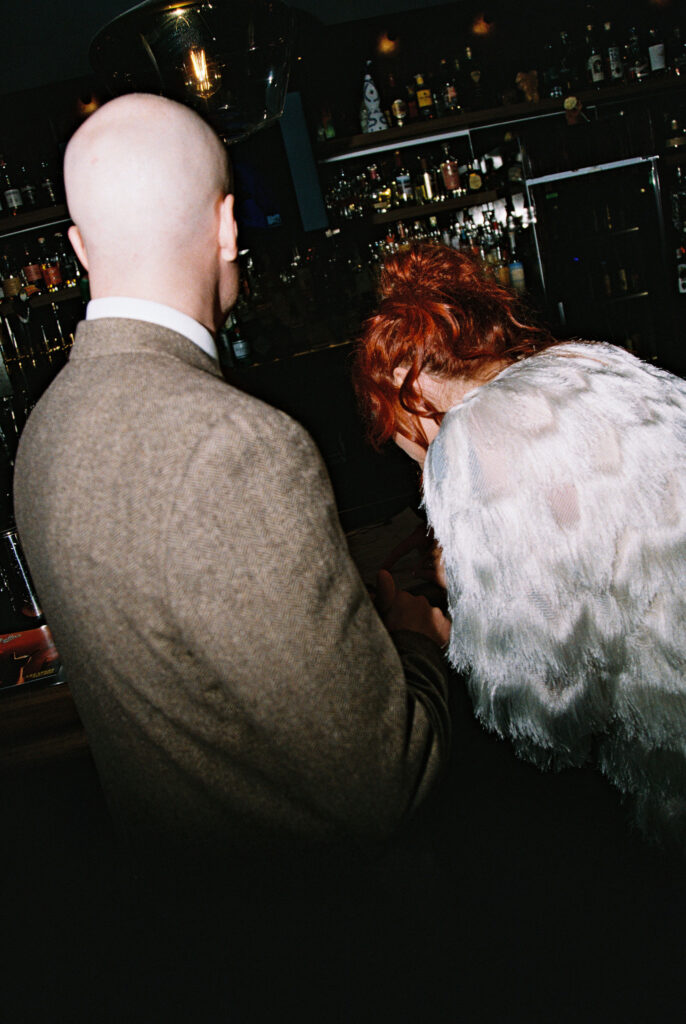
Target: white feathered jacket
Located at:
point(557, 492)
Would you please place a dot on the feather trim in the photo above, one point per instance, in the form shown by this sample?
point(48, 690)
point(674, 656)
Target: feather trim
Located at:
point(556, 492)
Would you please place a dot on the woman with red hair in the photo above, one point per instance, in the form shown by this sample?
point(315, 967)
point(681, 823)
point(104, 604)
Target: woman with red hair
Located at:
point(554, 478)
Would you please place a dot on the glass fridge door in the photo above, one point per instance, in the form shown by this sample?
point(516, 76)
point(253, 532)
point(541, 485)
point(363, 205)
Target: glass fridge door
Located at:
point(601, 252)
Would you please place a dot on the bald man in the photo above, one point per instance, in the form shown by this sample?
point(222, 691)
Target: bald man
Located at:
point(234, 679)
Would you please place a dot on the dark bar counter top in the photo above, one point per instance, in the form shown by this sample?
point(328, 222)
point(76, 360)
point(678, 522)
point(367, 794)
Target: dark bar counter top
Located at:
point(39, 724)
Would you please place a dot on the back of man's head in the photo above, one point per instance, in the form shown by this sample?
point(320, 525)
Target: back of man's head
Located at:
point(145, 179)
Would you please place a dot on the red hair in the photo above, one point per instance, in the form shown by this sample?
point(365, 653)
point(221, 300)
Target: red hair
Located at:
point(441, 311)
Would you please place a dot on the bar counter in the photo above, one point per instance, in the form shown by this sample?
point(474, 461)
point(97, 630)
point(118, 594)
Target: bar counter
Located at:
point(39, 724)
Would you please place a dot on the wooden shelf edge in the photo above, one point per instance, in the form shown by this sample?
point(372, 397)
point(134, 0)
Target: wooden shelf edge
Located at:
point(46, 215)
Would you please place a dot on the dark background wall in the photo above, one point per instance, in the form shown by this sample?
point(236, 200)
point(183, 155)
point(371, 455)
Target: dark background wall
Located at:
point(42, 41)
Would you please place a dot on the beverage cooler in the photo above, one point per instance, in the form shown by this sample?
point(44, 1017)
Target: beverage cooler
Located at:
point(600, 236)
point(600, 242)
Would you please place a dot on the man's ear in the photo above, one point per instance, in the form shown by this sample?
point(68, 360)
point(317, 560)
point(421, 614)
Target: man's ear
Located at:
point(78, 245)
point(228, 231)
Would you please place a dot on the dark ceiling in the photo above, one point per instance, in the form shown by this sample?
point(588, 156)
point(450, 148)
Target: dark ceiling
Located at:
point(44, 41)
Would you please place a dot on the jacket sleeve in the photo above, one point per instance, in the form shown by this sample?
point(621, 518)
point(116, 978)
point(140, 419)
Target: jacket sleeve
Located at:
point(344, 730)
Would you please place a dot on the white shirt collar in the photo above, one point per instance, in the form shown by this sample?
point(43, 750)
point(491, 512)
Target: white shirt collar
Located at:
point(153, 313)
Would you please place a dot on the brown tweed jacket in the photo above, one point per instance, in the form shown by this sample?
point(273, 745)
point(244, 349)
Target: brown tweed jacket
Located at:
point(230, 670)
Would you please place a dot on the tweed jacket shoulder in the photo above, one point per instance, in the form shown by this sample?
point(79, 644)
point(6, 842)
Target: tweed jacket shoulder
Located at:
point(558, 494)
point(229, 668)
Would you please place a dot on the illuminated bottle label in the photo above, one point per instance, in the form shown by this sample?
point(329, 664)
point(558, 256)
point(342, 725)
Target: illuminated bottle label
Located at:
point(656, 55)
point(52, 275)
point(13, 199)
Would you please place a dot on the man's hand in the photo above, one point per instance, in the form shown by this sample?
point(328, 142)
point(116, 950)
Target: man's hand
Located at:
point(400, 610)
point(430, 563)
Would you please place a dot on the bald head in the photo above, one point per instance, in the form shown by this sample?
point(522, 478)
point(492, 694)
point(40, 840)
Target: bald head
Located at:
point(147, 183)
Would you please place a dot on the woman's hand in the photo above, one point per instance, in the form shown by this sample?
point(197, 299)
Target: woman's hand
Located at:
point(430, 561)
point(401, 610)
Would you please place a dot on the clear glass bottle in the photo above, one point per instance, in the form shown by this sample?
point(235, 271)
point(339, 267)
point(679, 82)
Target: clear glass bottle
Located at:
point(11, 193)
point(403, 191)
point(614, 66)
point(638, 66)
point(595, 72)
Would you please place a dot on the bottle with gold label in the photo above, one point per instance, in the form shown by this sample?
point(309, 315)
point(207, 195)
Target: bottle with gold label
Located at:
point(10, 278)
point(425, 100)
point(50, 266)
point(427, 182)
point(474, 178)
point(396, 106)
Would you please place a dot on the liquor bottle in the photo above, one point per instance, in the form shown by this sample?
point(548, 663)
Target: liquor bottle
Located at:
point(50, 266)
point(380, 191)
point(614, 67)
point(412, 106)
point(567, 67)
point(679, 201)
point(595, 72)
point(638, 65)
point(239, 344)
point(621, 277)
point(28, 189)
point(474, 178)
point(657, 57)
point(552, 86)
point(397, 107)
point(48, 185)
point(10, 190)
point(676, 135)
point(428, 183)
point(425, 100)
point(502, 267)
point(676, 52)
point(450, 172)
point(476, 95)
point(512, 159)
point(10, 278)
point(605, 280)
point(403, 192)
point(27, 649)
point(372, 117)
point(681, 268)
point(515, 266)
point(31, 270)
point(69, 265)
point(448, 88)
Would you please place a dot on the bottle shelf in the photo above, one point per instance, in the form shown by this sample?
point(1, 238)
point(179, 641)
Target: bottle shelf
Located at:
point(45, 299)
point(432, 209)
point(63, 295)
point(597, 237)
point(429, 131)
point(32, 219)
point(613, 301)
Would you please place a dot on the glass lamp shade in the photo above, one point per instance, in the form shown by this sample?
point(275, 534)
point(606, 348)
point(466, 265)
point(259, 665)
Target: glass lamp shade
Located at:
point(228, 59)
